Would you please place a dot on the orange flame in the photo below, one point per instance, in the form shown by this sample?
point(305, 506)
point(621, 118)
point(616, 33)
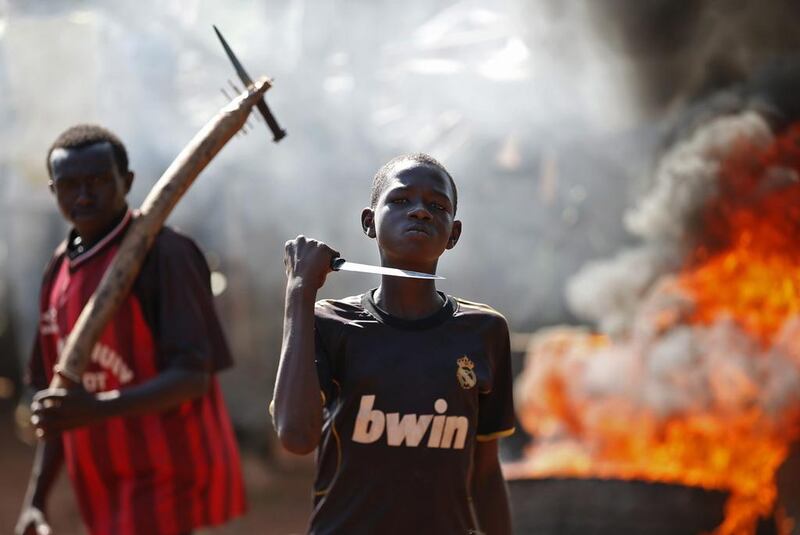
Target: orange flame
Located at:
point(747, 263)
point(593, 404)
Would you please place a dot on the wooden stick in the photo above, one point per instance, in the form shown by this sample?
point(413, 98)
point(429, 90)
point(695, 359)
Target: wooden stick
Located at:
point(119, 277)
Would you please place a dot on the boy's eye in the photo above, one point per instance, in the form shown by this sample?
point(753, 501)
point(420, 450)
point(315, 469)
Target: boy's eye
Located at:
point(101, 179)
point(66, 184)
point(437, 206)
point(399, 200)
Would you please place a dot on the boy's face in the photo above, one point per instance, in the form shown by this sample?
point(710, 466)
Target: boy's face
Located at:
point(89, 188)
point(413, 219)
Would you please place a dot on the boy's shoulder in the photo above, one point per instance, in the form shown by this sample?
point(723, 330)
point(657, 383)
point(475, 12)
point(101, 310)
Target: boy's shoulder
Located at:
point(174, 242)
point(344, 309)
point(475, 310)
point(174, 250)
point(54, 262)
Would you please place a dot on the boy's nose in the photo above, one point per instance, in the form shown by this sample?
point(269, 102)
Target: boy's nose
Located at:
point(419, 211)
point(84, 193)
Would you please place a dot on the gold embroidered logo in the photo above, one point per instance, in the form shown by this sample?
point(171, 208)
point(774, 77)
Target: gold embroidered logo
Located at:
point(466, 373)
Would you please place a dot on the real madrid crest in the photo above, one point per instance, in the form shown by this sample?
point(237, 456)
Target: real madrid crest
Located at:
point(466, 373)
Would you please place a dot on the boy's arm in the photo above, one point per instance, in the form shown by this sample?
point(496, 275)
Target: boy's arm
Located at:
point(59, 410)
point(46, 466)
point(489, 495)
point(297, 403)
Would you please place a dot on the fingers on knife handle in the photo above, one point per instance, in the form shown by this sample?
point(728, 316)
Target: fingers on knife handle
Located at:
point(336, 262)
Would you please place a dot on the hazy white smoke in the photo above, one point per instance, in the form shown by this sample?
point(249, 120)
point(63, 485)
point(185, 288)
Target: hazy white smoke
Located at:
point(687, 176)
point(607, 292)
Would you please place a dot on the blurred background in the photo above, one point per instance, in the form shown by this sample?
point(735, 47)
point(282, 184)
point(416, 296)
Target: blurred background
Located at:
point(552, 116)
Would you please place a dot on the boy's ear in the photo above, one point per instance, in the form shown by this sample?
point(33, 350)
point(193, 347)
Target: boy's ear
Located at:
point(128, 181)
point(368, 222)
point(455, 234)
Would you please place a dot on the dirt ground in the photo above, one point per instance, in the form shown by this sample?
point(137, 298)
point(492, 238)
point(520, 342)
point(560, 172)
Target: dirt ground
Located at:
point(279, 494)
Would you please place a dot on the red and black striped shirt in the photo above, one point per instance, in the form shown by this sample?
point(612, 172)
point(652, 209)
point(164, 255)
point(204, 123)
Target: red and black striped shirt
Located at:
point(161, 473)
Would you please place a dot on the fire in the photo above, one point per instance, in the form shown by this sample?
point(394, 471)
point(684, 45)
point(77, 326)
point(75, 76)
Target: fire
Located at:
point(703, 389)
point(747, 265)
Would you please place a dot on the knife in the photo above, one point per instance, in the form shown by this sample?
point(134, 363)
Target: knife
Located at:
point(340, 264)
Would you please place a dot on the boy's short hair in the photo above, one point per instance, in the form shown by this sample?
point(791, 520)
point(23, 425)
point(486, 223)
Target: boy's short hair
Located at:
point(385, 173)
point(83, 135)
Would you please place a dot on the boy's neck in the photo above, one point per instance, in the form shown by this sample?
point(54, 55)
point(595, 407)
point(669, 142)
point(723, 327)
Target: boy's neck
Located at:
point(86, 241)
point(408, 299)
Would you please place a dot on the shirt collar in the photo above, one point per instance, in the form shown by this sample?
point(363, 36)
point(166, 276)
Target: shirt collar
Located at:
point(76, 253)
point(435, 319)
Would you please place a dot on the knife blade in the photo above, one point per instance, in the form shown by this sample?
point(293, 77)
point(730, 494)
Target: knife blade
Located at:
point(340, 264)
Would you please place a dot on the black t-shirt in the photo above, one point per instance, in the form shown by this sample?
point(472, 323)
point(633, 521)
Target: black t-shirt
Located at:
point(405, 402)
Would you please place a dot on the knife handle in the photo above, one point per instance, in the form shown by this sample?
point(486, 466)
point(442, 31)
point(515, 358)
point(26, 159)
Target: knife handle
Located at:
point(336, 262)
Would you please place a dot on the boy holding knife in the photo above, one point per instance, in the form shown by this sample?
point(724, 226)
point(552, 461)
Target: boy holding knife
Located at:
point(402, 390)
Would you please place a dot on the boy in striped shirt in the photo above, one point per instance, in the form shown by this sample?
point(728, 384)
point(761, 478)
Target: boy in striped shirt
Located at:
point(146, 437)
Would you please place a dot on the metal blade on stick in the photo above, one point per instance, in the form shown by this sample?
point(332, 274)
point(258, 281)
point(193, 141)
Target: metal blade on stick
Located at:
point(278, 133)
point(340, 264)
point(122, 271)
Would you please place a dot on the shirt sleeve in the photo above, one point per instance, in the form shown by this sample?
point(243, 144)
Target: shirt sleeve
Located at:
point(496, 407)
point(324, 371)
point(326, 339)
point(37, 375)
point(174, 288)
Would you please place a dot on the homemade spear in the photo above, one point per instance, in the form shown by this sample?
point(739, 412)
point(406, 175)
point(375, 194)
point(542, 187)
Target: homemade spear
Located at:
point(119, 277)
